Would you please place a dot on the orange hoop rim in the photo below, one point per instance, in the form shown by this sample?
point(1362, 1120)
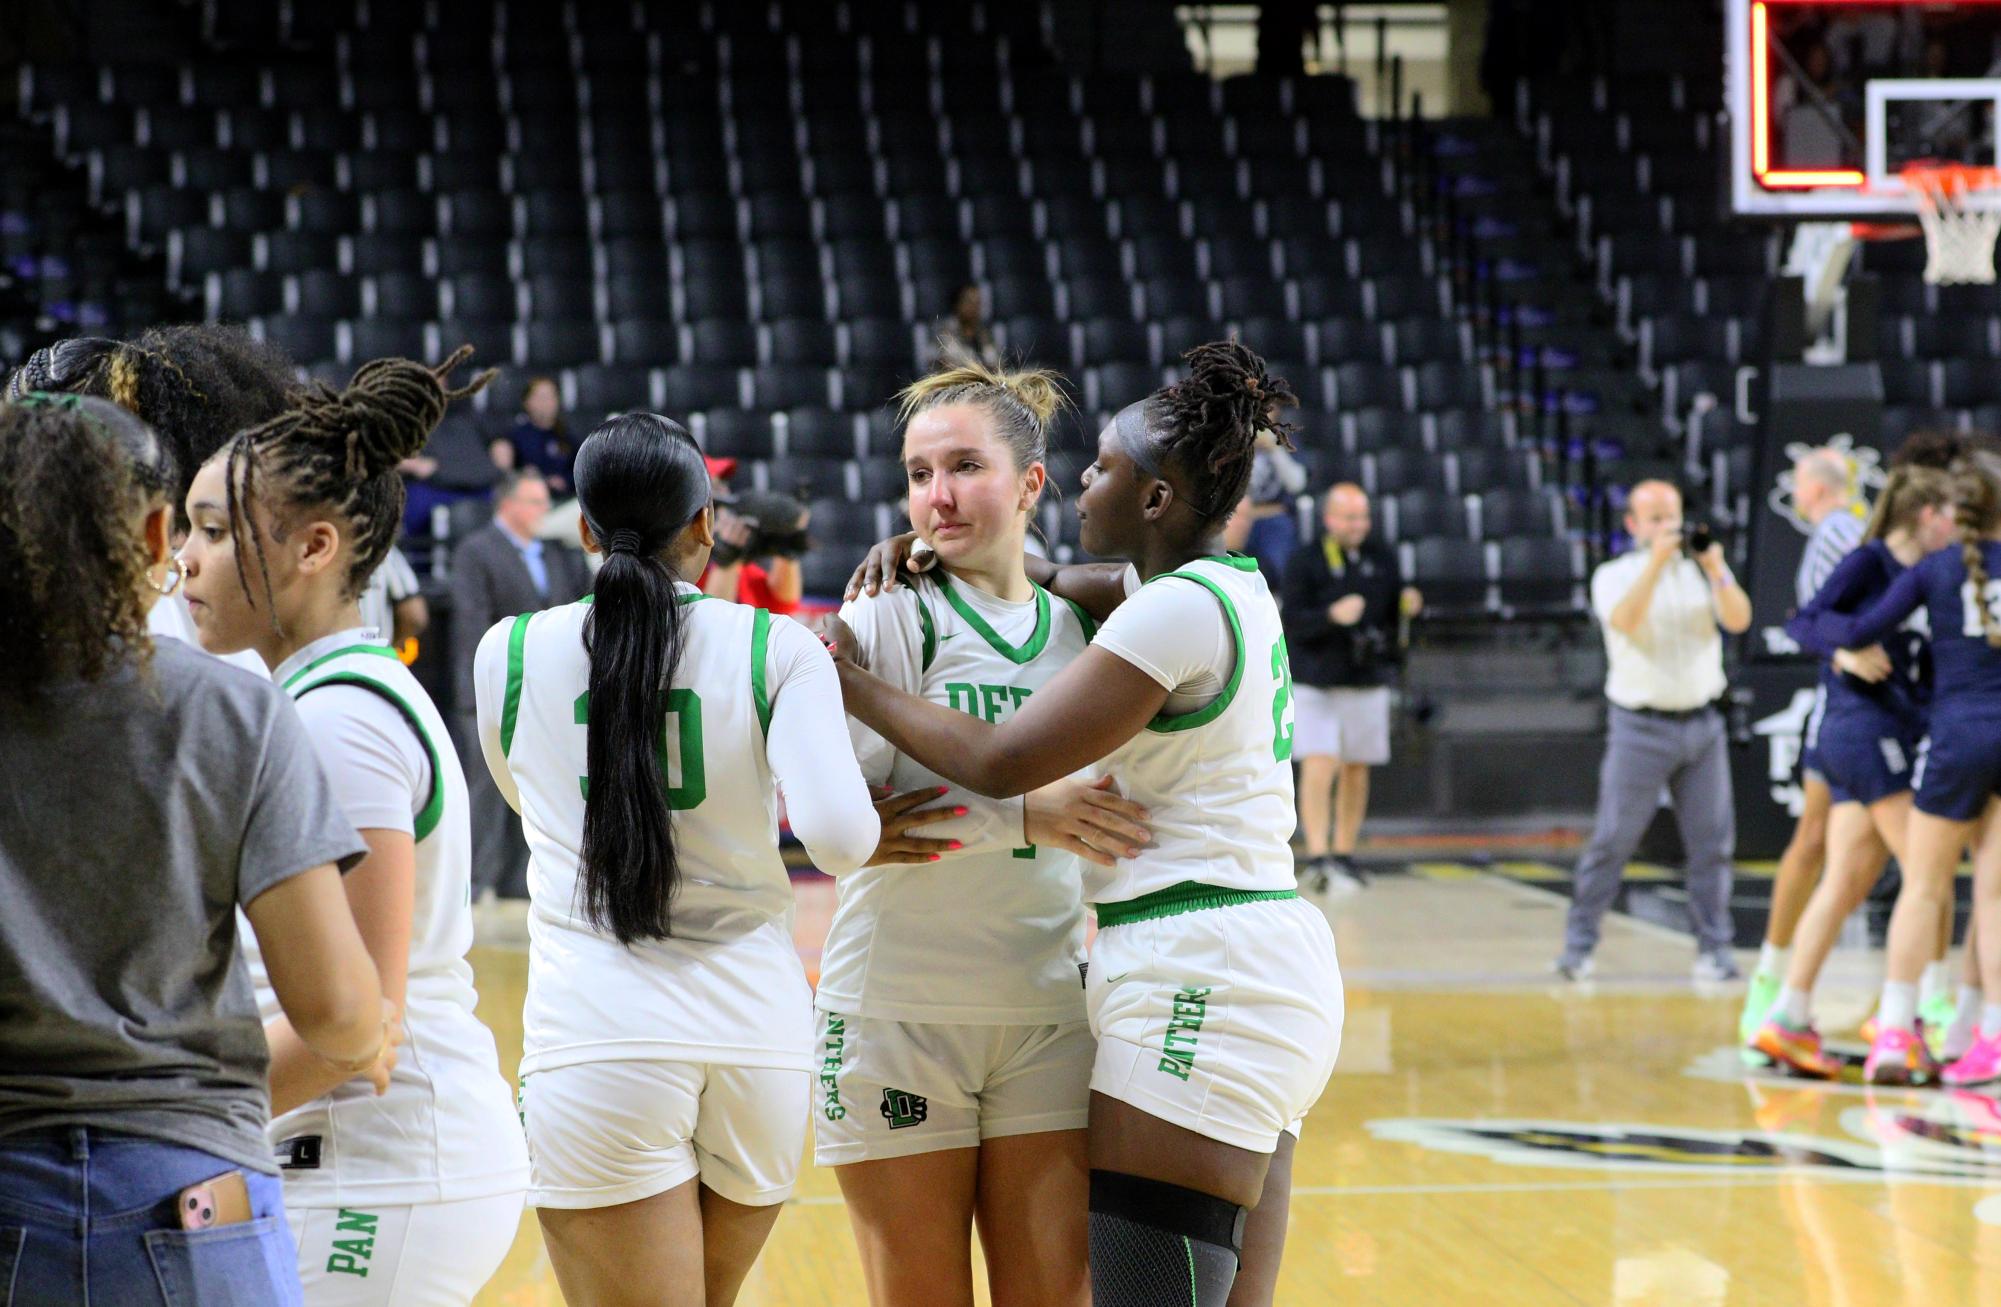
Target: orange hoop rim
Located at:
point(1949, 181)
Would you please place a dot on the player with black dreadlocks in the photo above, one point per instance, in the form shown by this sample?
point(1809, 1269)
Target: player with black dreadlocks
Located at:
point(1185, 695)
point(289, 519)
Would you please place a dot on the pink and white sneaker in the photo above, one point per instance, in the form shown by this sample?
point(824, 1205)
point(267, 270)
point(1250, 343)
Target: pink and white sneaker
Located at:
point(1899, 1057)
point(1981, 1064)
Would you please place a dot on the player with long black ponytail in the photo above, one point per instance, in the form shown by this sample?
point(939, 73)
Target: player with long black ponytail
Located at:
point(1213, 989)
point(634, 636)
point(643, 735)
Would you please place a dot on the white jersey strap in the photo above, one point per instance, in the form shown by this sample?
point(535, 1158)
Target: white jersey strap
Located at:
point(1215, 708)
point(304, 682)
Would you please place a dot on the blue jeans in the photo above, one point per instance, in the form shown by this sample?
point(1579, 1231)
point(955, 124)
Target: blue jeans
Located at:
point(87, 1217)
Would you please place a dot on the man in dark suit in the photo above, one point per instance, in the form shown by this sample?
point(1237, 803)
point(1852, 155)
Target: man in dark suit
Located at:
point(499, 571)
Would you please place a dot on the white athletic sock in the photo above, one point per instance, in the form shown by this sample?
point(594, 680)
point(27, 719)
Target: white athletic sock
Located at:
point(1795, 1006)
point(1968, 1010)
point(1772, 960)
point(1899, 1007)
point(1990, 1021)
point(1937, 980)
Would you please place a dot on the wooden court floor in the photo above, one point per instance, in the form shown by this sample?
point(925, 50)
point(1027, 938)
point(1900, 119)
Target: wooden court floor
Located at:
point(1491, 1137)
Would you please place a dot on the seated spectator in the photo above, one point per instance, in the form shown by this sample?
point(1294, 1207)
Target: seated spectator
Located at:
point(453, 467)
point(1273, 534)
point(963, 336)
point(539, 438)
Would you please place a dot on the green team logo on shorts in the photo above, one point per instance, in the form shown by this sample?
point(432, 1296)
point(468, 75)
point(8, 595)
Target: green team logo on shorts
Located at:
point(1177, 1046)
point(902, 1109)
point(351, 1254)
point(830, 1068)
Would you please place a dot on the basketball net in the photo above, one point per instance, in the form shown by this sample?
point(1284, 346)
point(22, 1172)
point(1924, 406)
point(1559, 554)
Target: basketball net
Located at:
point(1959, 238)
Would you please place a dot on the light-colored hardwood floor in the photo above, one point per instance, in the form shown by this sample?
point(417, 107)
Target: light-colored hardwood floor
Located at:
point(1491, 1137)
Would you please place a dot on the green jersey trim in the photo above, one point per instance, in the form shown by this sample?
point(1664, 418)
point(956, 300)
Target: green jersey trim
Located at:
point(1188, 896)
point(1026, 652)
point(924, 624)
point(371, 650)
point(1215, 708)
point(433, 811)
point(510, 705)
point(1242, 562)
point(760, 638)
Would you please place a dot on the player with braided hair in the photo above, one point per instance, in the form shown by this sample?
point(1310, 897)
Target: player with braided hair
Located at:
point(290, 518)
point(1213, 988)
point(1957, 777)
point(1876, 707)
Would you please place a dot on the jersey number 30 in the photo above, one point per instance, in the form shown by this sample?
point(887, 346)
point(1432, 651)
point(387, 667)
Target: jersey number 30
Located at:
point(685, 707)
point(1281, 729)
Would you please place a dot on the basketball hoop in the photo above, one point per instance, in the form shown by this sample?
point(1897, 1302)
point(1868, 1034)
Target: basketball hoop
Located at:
point(1959, 229)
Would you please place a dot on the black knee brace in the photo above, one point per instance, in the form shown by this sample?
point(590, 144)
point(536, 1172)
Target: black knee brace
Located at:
point(1158, 1245)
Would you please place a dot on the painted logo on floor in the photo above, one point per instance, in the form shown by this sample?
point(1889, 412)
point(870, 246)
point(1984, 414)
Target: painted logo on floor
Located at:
point(1954, 1139)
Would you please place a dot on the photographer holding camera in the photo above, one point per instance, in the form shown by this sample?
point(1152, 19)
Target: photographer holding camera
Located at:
point(1663, 605)
point(1344, 599)
point(753, 526)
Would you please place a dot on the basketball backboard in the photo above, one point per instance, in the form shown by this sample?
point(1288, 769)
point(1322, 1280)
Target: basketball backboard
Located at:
point(1827, 99)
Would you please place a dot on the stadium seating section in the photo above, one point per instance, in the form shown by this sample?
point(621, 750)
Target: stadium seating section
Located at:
point(754, 219)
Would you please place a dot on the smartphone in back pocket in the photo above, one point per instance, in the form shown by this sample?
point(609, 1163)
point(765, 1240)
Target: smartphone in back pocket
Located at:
point(223, 1200)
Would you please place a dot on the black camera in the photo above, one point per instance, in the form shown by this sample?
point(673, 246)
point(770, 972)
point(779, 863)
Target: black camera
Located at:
point(774, 530)
point(1697, 539)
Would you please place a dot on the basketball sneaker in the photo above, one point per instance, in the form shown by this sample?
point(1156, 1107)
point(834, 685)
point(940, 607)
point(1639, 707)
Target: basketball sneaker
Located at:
point(1981, 1064)
point(1759, 997)
point(1797, 1050)
point(1898, 1056)
point(1572, 967)
point(1866, 1032)
point(1957, 1039)
point(1715, 966)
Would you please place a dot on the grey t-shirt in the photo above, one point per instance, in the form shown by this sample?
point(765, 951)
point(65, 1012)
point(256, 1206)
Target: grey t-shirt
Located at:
point(138, 813)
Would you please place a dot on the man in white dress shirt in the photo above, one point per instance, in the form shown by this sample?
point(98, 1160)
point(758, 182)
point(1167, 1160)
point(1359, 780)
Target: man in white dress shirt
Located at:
point(1663, 614)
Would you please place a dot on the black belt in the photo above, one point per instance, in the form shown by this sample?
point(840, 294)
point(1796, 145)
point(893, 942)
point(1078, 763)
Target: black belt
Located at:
point(1670, 715)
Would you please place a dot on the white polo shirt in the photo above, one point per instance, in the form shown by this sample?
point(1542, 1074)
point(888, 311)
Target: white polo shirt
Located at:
point(1674, 660)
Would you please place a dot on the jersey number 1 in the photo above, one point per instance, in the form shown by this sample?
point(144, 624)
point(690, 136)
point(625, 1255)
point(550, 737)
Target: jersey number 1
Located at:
point(685, 707)
point(1281, 729)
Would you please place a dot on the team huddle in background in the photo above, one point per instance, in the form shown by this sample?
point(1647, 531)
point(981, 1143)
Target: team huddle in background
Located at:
point(1903, 760)
point(978, 746)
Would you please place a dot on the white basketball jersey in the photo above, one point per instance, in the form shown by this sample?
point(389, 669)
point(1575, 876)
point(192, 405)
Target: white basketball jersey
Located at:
point(984, 937)
point(727, 986)
point(446, 1129)
point(1217, 782)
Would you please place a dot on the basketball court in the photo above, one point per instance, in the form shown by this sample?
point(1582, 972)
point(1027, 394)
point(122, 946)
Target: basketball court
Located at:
point(1492, 1137)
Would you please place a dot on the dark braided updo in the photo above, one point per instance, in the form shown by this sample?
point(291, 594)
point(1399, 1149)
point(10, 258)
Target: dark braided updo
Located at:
point(338, 451)
point(1210, 421)
point(196, 384)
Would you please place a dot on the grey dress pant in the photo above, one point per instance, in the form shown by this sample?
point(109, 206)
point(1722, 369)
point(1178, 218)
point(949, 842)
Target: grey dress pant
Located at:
point(1644, 754)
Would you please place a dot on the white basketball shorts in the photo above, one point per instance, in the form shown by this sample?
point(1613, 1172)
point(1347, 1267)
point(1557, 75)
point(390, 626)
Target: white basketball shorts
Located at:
point(423, 1255)
point(899, 1088)
point(605, 1133)
point(1224, 1020)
